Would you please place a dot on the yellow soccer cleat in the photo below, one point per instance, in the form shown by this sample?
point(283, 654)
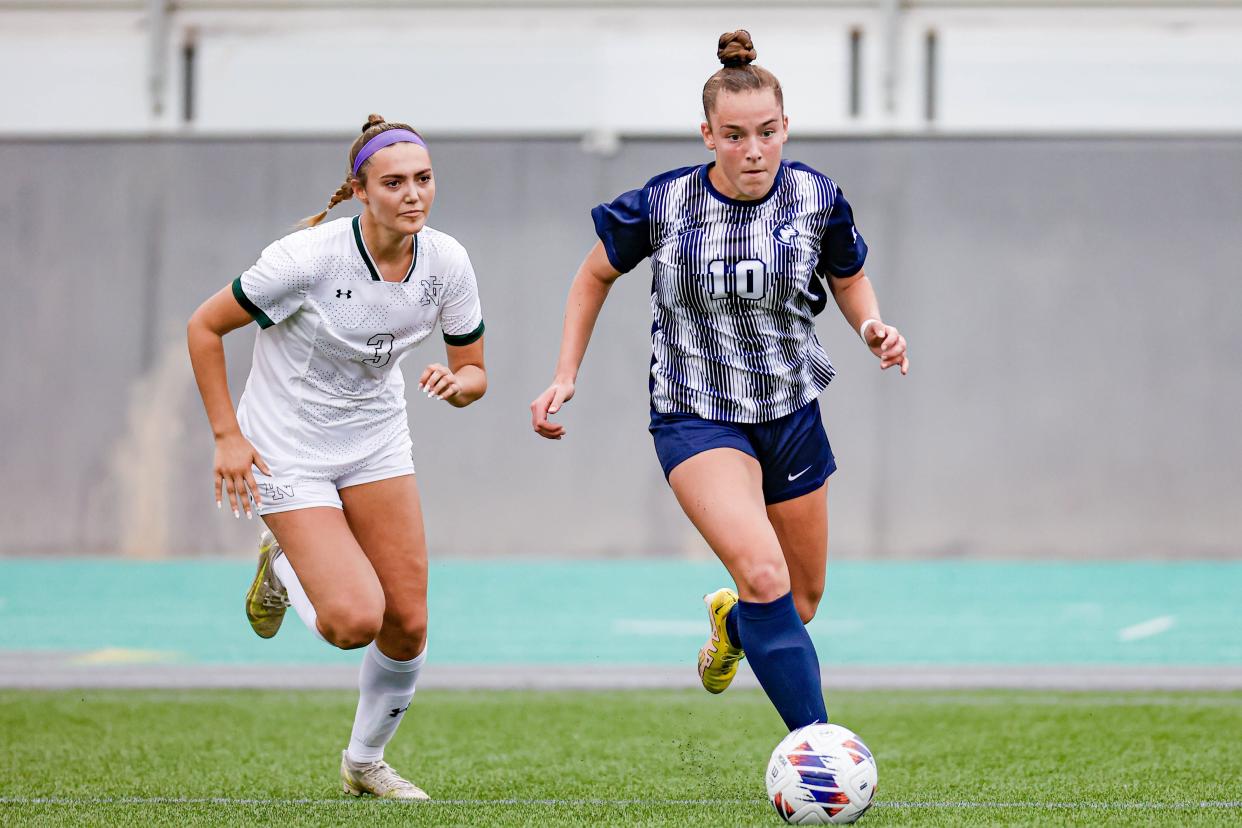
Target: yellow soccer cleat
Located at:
point(378, 779)
point(719, 657)
point(267, 600)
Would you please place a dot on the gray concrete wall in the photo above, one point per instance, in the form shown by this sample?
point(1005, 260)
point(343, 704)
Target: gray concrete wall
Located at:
point(1072, 308)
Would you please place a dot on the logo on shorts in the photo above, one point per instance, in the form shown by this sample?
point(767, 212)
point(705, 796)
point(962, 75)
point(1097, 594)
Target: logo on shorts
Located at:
point(344, 294)
point(275, 492)
point(785, 233)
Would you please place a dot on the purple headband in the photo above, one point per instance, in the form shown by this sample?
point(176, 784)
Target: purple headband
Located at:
point(385, 139)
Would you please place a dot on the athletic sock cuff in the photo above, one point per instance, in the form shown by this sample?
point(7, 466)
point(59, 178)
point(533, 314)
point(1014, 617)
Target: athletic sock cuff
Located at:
point(762, 611)
point(392, 664)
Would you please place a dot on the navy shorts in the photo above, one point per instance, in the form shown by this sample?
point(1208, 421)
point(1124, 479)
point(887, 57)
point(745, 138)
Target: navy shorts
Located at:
point(793, 451)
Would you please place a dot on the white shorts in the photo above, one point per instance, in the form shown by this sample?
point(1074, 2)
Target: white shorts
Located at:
point(286, 493)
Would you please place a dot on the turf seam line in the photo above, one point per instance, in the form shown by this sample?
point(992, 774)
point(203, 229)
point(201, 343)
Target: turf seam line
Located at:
point(23, 800)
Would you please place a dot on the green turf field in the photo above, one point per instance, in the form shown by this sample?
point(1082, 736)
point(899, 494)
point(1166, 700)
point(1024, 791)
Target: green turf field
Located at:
point(638, 758)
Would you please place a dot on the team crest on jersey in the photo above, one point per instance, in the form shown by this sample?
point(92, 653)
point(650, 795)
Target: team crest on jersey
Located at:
point(431, 290)
point(785, 233)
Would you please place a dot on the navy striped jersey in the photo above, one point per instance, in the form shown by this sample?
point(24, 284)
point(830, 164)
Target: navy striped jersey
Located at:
point(735, 287)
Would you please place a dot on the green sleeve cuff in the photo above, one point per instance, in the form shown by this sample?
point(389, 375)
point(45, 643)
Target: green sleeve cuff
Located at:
point(250, 307)
point(465, 339)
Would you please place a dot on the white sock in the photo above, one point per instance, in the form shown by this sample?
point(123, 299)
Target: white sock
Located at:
point(297, 595)
point(386, 687)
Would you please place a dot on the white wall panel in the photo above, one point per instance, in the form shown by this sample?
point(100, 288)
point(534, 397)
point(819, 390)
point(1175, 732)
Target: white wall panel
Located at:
point(1160, 76)
point(82, 72)
point(504, 71)
point(505, 68)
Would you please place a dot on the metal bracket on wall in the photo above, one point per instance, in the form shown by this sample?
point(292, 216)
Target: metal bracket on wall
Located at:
point(157, 53)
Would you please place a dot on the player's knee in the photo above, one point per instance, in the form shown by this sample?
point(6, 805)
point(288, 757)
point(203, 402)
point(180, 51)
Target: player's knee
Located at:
point(807, 599)
point(405, 635)
point(350, 627)
point(764, 581)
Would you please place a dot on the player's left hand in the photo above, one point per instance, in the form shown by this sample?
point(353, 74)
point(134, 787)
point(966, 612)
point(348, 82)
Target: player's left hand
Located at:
point(889, 345)
point(438, 382)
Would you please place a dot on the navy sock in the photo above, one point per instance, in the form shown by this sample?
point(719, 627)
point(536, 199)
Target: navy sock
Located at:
point(783, 658)
point(731, 627)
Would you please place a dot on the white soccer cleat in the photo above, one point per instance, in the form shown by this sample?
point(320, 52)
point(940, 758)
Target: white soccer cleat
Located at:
point(379, 780)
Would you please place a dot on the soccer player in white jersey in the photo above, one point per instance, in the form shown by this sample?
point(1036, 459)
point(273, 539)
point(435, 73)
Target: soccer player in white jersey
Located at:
point(320, 441)
point(740, 249)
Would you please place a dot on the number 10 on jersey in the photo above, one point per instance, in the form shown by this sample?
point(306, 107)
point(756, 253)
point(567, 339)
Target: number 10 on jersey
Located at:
point(747, 278)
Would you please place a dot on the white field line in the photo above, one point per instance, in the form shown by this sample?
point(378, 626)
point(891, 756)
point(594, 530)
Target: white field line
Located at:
point(158, 800)
point(1146, 629)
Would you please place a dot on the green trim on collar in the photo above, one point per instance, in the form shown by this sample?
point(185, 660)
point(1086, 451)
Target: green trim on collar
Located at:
point(465, 339)
point(362, 249)
point(250, 307)
point(366, 254)
point(413, 260)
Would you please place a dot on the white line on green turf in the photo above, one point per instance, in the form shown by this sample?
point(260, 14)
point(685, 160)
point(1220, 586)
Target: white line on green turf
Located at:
point(158, 800)
point(342, 800)
point(1180, 806)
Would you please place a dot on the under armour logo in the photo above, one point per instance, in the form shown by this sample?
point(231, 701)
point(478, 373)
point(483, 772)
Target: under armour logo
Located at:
point(344, 294)
point(397, 711)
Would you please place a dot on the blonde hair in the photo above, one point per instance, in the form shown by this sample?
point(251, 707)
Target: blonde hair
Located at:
point(736, 51)
point(374, 126)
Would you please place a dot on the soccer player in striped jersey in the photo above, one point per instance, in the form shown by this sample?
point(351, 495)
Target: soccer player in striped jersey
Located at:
point(741, 250)
point(320, 441)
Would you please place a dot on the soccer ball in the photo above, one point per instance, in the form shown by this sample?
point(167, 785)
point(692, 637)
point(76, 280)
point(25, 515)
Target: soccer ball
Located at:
point(821, 773)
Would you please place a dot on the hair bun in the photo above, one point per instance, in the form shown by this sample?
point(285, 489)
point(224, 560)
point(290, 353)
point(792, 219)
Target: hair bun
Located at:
point(736, 48)
point(373, 120)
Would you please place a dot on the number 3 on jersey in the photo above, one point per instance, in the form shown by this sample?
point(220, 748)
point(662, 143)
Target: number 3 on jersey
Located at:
point(747, 278)
point(382, 343)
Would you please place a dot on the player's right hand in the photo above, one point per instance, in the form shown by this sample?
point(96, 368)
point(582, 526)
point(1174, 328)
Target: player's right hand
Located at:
point(234, 459)
point(547, 404)
point(889, 345)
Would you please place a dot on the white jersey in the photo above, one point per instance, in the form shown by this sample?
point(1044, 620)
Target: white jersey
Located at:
point(323, 396)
